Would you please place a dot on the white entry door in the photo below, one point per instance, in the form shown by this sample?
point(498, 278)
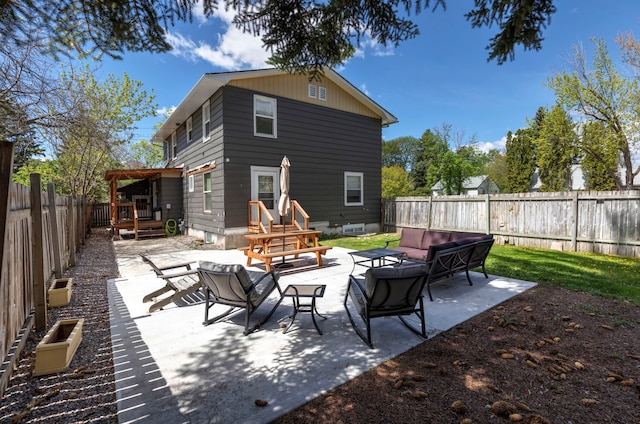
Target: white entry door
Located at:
point(265, 186)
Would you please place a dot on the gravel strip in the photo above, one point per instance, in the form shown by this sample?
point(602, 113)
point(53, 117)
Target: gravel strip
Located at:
point(86, 392)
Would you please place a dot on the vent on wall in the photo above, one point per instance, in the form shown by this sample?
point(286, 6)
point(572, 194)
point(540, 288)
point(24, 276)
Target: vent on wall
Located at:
point(322, 93)
point(353, 229)
point(312, 91)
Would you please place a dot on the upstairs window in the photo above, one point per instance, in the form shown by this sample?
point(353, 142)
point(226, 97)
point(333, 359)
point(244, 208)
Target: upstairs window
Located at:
point(265, 116)
point(206, 121)
point(353, 189)
point(206, 191)
point(192, 184)
point(313, 90)
point(189, 130)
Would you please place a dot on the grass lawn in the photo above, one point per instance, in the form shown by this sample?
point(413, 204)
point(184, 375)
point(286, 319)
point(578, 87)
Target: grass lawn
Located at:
point(603, 275)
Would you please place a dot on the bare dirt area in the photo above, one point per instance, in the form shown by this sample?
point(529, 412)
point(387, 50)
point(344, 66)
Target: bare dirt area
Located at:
point(546, 356)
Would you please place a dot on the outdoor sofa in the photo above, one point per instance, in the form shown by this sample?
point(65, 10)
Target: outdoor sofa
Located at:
point(445, 253)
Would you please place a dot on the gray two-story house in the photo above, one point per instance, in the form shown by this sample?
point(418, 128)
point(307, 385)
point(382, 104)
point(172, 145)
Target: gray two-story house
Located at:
point(232, 130)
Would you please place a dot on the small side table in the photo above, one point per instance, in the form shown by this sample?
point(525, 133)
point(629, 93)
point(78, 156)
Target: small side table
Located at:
point(309, 291)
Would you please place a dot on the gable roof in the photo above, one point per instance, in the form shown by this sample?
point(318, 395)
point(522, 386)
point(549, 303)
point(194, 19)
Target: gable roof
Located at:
point(469, 183)
point(211, 82)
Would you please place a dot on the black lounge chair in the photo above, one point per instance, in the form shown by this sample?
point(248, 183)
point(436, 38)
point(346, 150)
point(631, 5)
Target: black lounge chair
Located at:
point(180, 280)
point(231, 285)
point(394, 291)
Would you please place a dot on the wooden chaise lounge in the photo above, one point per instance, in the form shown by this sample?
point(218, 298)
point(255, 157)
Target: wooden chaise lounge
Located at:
point(181, 279)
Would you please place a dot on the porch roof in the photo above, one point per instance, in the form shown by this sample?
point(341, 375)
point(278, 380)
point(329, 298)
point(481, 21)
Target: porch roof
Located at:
point(138, 174)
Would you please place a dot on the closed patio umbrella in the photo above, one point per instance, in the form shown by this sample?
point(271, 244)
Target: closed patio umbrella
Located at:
point(284, 205)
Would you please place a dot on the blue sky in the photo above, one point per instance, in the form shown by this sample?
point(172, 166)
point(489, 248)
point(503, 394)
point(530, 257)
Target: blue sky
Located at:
point(442, 76)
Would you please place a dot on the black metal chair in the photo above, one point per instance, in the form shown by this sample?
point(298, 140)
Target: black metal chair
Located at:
point(232, 285)
point(448, 262)
point(479, 256)
point(394, 291)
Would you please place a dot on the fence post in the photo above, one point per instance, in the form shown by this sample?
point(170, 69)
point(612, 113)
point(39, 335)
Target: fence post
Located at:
point(71, 215)
point(6, 167)
point(430, 213)
point(488, 203)
point(55, 240)
point(574, 230)
point(37, 266)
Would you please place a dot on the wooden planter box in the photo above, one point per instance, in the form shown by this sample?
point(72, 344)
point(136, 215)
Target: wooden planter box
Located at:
point(56, 349)
point(60, 292)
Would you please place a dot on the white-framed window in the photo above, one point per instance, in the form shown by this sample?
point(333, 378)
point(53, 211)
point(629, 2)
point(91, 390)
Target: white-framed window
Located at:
point(265, 116)
point(206, 191)
point(192, 184)
point(353, 189)
point(206, 121)
point(172, 147)
point(322, 93)
point(313, 90)
point(189, 130)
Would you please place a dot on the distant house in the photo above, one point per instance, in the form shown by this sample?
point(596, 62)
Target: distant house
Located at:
point(482, 184)
point(231, 131)
point(578, 179)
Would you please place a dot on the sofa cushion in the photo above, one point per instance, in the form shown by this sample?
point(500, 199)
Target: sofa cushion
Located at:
point(434, 237)
point(456, 235)
point(374, 274)
point(467, 240)
point(412, 252)
point(411, 237)
point(438, 247)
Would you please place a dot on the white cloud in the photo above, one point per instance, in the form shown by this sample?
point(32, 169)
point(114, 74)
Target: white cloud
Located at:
point(363, 88)
point(369, 44)
point(485, 146)
point(165, 111)
point(234, 49)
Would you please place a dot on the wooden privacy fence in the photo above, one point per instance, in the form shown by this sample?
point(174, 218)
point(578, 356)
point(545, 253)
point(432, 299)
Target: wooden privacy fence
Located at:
point(599, 222)
point(100, 214)
point(41, 233)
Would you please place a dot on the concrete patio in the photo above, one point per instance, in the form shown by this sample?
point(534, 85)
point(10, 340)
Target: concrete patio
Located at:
point(172, 369)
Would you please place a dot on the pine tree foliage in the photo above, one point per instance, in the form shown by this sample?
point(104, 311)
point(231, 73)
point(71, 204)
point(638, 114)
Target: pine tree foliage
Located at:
point(599, 158)
point(556, 150)
point(520, 160)
point(301, 35)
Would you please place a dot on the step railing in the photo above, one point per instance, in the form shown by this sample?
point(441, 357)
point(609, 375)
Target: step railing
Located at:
point(261, 221)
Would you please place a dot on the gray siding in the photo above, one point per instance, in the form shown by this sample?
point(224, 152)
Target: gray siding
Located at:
point(321, 144)
point(195, 154)
point(170, 192)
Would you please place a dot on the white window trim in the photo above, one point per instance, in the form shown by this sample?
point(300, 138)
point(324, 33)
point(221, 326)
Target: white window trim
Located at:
point(348, 174)
point(206, 119)
point(192, 184)
point(274, 117)
point(313, 90)
point(204, 203)
point(172, 148)
point(189, 130)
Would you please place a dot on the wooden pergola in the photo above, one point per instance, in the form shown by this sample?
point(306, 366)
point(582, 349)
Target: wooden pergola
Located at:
point(113, 176)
